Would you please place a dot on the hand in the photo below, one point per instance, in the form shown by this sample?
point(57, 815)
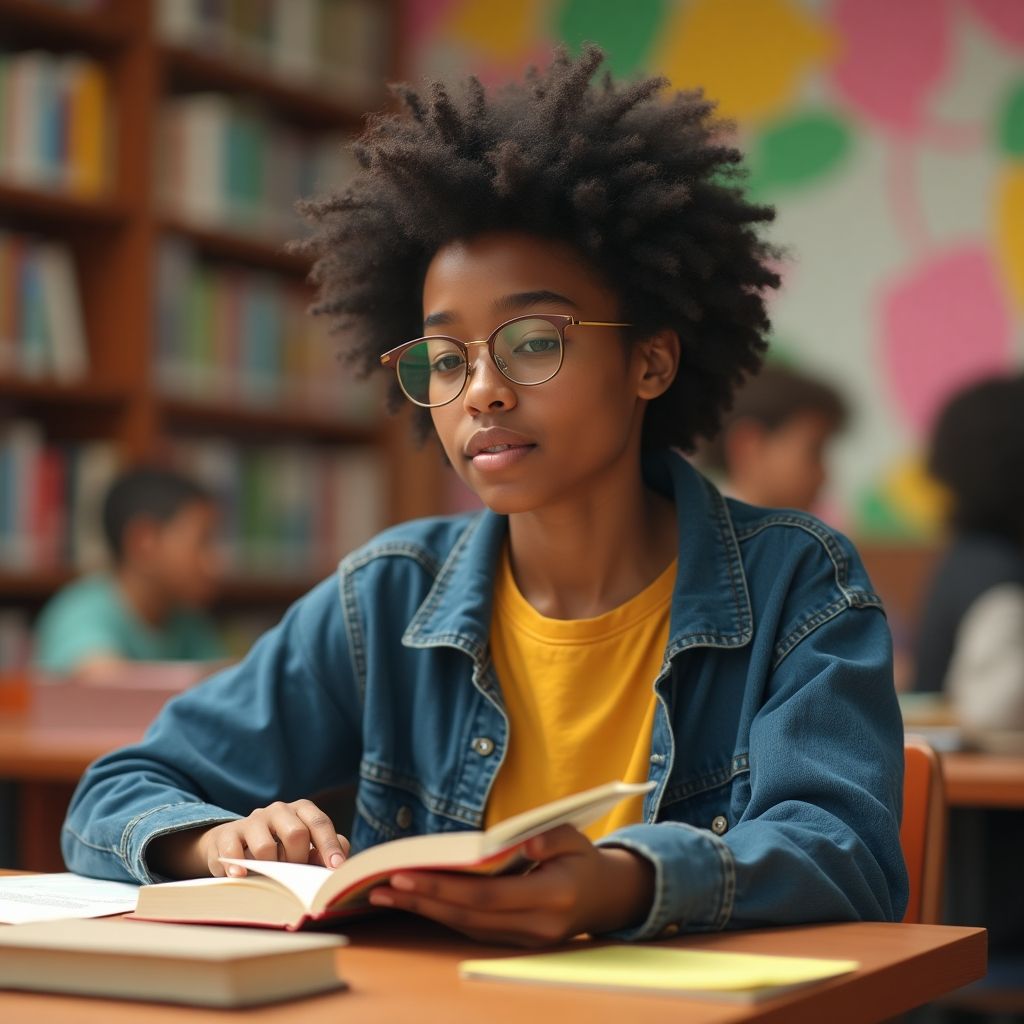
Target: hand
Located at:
point(299, 832)
point(576, 887)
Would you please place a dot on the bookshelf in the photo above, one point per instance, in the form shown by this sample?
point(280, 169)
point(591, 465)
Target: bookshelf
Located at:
point(114, 236)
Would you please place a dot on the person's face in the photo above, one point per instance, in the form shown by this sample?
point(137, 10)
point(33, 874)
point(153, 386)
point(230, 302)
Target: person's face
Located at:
point(181, 554)
point(790, 461)
point(549, 441)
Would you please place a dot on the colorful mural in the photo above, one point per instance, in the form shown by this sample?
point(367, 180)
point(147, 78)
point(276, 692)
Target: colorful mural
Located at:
point(890, 136)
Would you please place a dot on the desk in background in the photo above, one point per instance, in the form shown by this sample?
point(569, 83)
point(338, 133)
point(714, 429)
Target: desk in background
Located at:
point(49, 737)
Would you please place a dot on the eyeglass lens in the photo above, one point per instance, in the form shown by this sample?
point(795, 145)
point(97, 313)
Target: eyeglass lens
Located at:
point(434, 371)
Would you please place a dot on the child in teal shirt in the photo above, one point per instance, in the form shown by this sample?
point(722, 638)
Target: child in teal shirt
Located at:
point(161, 528)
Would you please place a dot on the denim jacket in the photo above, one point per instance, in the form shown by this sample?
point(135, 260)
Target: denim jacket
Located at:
point(777, 746)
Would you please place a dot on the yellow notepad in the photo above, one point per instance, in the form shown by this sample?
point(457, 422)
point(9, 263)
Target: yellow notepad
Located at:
point(746, 977)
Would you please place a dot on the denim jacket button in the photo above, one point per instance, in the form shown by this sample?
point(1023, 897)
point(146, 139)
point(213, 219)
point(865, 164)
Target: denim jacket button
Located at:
point(403, 818)
point(719, 824)
point(668, 931)
point(483, 745)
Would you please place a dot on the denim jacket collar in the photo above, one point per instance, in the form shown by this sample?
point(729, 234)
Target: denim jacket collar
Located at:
point(710, 603)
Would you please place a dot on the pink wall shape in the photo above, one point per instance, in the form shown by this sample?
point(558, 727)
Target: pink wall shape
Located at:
point(1004, 18)
point(892, 57)
point(943, 324)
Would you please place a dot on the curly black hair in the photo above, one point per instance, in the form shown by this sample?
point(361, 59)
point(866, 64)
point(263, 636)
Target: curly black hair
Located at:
point(646, 189)
point(977, 451)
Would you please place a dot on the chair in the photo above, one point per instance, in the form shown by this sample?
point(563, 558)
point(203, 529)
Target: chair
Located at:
point(923, 831)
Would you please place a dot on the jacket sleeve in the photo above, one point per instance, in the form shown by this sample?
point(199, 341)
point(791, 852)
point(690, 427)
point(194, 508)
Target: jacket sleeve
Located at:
point(819, 839)
point(282, 724)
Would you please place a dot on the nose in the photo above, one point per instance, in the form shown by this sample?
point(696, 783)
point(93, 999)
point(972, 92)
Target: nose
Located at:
point(487, 387)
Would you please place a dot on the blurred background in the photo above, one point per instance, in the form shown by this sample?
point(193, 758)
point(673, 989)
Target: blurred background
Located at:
point(151, 152)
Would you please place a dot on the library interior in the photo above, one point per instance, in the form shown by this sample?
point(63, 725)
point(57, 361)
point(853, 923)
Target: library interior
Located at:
point(239, 528)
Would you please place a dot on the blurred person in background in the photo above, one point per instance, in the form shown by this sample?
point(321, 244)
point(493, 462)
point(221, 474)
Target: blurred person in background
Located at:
point(161, 529)
point(971, 639)
point(771, 448)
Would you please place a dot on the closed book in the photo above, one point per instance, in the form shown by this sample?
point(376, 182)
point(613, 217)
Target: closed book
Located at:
point(222, 967)
point(281, 895)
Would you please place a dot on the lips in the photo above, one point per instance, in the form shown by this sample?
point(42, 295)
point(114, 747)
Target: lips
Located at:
point(494, 440)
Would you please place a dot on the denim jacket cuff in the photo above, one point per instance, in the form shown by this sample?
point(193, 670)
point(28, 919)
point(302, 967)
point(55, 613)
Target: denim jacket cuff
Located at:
point(694, 878)
point(161, 821)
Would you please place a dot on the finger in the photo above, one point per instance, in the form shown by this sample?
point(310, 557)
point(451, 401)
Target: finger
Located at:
point(559, 842)
point(322, 833)
point(521, 928)
point(316, 858)
point(225, 842)
point(258, 839)
point(546, 887)
point(291, 834)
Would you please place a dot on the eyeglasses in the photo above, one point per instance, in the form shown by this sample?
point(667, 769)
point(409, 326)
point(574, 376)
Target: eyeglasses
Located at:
point(528, 350)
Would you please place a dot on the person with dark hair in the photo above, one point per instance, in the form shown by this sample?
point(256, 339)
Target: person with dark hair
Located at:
point(566, 281)
point(160, 527)
point(771, 447)
point(971, 640)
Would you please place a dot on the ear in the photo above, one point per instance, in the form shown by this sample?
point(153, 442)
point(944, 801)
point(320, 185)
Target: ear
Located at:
point(659, 362)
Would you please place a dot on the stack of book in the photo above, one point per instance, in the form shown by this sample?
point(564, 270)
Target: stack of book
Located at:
point(247, 338)
point(41, 328)
point(337, 44)
point(290, 511)
point(50, 498)
point(223, 162)
point(54, 122)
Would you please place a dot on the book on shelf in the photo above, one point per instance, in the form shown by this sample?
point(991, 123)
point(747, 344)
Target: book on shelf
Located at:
point(246, 337)
point(42, 333)
point(339, 45)
point(225, 162)
point(54, 122)
point(281, 895)
point(290, 510)
point(196, 966)
point(50, 498)
point(692, 973)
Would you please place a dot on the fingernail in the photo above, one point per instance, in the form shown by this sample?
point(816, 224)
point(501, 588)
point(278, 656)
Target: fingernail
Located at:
point(235, 871)
point(403, 883)
point(381, 899)
point(336, 859)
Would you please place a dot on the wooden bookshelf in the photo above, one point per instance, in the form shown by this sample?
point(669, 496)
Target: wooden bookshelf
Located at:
point(48, 208)
point(114, 240)
point(247, 250)
point(36, 23)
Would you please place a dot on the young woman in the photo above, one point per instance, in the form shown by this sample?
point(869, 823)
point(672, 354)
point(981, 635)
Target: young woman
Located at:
point(566, 280)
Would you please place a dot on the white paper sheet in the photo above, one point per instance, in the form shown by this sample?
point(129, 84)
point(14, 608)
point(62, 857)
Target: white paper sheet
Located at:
point(26, 898)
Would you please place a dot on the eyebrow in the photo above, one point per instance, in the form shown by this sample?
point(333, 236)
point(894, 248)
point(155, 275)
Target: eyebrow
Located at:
point(518, 302)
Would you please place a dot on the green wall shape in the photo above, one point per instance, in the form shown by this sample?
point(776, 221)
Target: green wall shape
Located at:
point(626, 31)
point(797, 151)
point(1011, 122)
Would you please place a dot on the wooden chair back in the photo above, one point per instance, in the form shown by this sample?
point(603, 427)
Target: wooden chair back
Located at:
point(923, 830)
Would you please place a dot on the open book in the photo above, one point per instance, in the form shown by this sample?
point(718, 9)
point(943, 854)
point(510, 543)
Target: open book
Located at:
point(280, 895)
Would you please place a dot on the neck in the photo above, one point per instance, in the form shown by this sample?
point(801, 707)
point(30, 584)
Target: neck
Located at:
point(593, 552)
point(144, 600)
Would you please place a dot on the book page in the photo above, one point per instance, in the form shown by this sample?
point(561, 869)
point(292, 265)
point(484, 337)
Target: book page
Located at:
point(579, 810)
point(25, 898)
point(302, 879)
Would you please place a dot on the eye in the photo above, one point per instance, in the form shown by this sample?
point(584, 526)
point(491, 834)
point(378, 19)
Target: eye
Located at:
point(537, 343)
point(447, 363)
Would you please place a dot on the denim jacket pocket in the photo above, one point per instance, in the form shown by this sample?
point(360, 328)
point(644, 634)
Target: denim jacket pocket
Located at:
point(714, 800)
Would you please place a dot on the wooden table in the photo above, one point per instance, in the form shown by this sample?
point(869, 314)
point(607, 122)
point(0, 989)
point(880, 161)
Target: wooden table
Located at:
point(984, 780)
point(404, 969)
point(46, 745)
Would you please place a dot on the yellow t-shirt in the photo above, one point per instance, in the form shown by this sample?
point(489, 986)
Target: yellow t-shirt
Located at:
point(579, 696)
